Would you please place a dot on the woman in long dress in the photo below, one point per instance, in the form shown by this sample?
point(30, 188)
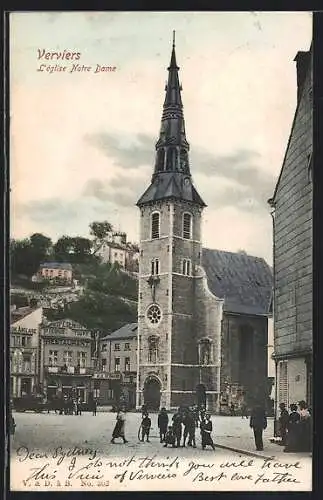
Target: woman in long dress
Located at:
point(206, 429)
point(119, 428)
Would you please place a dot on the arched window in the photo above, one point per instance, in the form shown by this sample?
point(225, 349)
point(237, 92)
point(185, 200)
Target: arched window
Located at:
point(169, 159)
point(155, 268)
point(155, 225)
point(153, 349)
point(160, 160)
point(183, 161)
point(187, 226)
point(186, 267)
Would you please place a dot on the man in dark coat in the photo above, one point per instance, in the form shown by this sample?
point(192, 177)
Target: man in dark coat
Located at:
point(258, 422)
point(162, 424)
point(283, 423)
point(189, 428)
point(177, 427)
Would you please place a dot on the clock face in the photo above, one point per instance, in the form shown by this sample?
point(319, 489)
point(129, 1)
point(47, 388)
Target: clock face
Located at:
point(186, 181)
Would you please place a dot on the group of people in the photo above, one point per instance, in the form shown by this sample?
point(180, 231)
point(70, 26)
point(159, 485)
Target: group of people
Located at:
point(69, 405)
point(183, 425)
point(295, 427)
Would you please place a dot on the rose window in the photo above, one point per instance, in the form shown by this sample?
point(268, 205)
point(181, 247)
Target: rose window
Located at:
point(154, 314)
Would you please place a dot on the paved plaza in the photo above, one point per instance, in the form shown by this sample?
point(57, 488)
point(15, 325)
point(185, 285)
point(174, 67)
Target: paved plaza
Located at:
point(42, 431)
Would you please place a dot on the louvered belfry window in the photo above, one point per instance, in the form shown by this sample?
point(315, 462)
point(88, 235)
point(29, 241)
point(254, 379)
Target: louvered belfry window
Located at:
point(187, 222)
point(155, 225)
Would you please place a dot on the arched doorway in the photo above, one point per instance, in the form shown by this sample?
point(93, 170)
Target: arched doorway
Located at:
point(152, 393)
point(201, 396)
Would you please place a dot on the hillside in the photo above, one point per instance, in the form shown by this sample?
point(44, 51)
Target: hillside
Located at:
point(105, 299)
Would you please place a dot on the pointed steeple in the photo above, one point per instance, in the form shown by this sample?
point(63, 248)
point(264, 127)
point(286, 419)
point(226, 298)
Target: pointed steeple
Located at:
point(172, 158)
point(173, 87)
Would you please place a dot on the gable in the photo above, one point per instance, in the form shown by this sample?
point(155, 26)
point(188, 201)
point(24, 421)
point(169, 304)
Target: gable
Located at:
point(299, 146)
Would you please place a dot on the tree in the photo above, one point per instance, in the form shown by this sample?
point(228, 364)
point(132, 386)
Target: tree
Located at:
point(24, 259)
point(41, 243)
point(73, 249)
point(100, 231)
point(63, 248)
point(82, 248)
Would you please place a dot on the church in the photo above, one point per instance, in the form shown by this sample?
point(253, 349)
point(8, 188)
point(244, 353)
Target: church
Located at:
point(202, 314)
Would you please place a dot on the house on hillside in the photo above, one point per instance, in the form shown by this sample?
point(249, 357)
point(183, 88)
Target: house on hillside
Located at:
point(55, 271)
point(24, 350)
point(115, 379)
point(292, 215)
point(116, 250)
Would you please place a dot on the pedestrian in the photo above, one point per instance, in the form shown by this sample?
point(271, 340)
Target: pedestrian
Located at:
point(258, 422)
point(196, 415)
point(145, 428)
point(244, 411)
point(170, 437)
point(177, 427)
point(12, 420)
point(189, 428)
point(119, 428)
point(305, 427)
point(79, 406)
point(162, 424)
point(283, 423)
point(232, 410)
point(293, 430)
point(206, 430)
point(94, 406)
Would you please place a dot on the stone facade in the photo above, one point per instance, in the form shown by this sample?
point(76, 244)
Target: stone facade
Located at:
point(114, 379)
point(190, 312)
point(292, 217)
point(66, 359)
point(24, 353)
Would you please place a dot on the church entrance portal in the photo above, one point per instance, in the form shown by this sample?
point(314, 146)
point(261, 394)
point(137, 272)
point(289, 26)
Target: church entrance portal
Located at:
point(152, 393)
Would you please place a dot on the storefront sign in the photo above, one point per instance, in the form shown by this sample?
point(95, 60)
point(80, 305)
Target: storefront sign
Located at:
point(107, 376)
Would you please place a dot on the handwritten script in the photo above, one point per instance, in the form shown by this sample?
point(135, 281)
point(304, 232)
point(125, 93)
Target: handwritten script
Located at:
point(85, 468)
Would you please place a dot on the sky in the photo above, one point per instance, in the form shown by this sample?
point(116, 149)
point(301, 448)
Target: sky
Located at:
point(82, 143)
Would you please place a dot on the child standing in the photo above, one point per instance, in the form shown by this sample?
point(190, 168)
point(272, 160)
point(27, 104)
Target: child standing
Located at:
point(145, 427)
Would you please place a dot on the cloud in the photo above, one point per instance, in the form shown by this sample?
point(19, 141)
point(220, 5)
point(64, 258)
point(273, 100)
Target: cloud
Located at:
point(249, 184)
point(131, 152)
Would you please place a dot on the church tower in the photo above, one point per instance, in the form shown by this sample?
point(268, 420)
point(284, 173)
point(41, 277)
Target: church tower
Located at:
point(179, 320)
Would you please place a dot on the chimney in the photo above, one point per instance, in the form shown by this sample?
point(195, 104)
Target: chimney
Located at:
point(302, 60)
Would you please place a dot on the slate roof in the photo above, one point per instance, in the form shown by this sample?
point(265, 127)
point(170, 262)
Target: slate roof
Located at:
point(243, 281)
point(125, 332)
point(57, 265)
point(171, 185)
point(22, 312)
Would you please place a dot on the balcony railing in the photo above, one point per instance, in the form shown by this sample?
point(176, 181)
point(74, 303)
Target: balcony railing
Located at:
point(23, 370)
point(69, 370)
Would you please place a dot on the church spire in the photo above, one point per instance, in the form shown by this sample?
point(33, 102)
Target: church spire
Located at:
point(172, 147)
point(172, 176)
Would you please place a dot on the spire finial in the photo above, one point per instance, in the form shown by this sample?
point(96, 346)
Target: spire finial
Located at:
point(173, 39)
